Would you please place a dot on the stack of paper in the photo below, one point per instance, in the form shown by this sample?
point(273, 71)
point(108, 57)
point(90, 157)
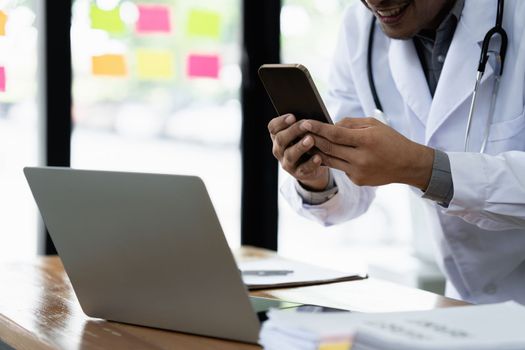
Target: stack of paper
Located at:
point(277, 272)
point(496, 326)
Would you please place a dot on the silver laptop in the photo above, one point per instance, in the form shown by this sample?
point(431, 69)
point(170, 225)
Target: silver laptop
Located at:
point(145, 249)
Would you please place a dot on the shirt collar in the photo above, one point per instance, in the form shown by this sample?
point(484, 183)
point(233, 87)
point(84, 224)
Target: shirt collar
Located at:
point(454, 15)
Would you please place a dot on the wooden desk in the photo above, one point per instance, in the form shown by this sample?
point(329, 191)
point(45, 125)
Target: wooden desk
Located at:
point(38, 309)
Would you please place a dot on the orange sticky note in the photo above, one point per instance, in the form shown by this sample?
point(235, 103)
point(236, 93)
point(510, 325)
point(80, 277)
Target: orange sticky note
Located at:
point(109, 65)
point(3, 21)
point(153, 18)
point(203, 66)
point(2, 79)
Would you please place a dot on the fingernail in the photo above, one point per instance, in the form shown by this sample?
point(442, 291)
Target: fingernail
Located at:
point(307, 141)
point(306, 126)
point(317, 159)
point(290, 119)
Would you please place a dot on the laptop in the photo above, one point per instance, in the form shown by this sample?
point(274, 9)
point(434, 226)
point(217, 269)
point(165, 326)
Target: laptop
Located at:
point(146, 249)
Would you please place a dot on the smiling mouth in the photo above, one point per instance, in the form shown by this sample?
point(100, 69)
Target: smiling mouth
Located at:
point(392, 15)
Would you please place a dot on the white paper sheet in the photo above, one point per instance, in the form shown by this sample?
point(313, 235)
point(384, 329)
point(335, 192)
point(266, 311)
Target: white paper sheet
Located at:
point(303, 274)
point(498, 326)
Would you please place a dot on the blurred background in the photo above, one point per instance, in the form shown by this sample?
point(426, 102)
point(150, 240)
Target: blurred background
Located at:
point(157, 86)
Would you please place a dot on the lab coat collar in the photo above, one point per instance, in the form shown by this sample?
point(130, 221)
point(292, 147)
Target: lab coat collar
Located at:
point(459, 71)
point(409, 77)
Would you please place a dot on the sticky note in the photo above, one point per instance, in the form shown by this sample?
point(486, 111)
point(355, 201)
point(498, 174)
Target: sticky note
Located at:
point(2, 79)
point(109, 21)
point(109, 65)
point(153, 19)
point(154, 64)
point(335, 346)
point(3, 21)
point(204, 23)
point(203, 66)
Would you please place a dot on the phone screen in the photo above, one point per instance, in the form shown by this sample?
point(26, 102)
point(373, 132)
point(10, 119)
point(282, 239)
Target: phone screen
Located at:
point(291, 90)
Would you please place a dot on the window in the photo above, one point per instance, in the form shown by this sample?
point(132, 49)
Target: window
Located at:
point(309, 31)
point(18, 126)
point(156, 89)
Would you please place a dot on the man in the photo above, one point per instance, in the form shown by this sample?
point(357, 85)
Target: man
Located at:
point(425, 57)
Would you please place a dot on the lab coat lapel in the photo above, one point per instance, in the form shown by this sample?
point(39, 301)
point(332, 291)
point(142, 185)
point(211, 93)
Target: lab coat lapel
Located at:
point(459, 71)
point(409, 77)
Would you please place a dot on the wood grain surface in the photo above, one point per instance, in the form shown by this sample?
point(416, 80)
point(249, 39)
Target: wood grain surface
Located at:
point(39, 310)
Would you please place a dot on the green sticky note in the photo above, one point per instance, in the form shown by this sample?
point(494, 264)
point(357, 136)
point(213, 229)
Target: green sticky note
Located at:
point(204, 23)
point(107, 20)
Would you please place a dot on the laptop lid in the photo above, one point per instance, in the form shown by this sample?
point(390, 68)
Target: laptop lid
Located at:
point(145, 249)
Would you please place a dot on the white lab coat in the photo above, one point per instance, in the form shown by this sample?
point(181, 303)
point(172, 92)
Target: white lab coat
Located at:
point(481, 235)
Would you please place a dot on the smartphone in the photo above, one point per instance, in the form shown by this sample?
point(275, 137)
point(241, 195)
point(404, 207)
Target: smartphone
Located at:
point(292, 90)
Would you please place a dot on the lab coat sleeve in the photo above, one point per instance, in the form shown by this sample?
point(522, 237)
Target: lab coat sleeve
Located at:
point(349, 202)
point(342, 101)
point(489, 191)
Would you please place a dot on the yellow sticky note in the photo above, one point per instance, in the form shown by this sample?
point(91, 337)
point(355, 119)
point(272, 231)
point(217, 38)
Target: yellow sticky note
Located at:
point(154, 64)
point(109, 65)
point(335, 346)
point(204, 23)
point(3, 21)
point(109, 21)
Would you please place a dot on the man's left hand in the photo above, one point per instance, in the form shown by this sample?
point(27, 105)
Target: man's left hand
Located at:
point(371, 153)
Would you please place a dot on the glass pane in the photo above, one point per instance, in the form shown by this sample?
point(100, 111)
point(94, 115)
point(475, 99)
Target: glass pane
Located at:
point(18, 126)
point(309, 34)
point(156, 89)
point(309, 30)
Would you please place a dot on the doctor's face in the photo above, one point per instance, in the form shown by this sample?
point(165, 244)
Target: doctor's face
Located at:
point(402, 19)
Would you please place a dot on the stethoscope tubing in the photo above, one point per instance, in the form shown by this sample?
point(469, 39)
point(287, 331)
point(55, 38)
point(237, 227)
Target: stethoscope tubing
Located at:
point(496, 31)
point(479, 75)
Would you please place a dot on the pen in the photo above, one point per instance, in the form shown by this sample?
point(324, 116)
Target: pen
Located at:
point(266, 272)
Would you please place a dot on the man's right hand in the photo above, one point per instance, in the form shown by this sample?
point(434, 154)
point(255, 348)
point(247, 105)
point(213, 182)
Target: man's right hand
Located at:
point(284, 130)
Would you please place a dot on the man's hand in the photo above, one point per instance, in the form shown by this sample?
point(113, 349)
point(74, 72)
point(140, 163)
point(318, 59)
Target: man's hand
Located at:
point(371, 153)
point(290, 147)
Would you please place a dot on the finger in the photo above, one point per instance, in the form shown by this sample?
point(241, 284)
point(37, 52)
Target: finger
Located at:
point(353, 172)
point(329, 148)
point(280, 123)
point(293, 154)
point(333, 133)
point(309, 167)
point(335, 163)
point(357, 123)
point(284, 138)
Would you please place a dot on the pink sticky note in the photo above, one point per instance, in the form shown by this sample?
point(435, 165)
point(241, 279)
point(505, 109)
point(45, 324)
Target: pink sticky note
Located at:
point(203, 66)
point(153, 18)
point(2, 79)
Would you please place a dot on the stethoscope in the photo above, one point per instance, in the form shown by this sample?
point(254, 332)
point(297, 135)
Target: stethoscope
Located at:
point(498, 57)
